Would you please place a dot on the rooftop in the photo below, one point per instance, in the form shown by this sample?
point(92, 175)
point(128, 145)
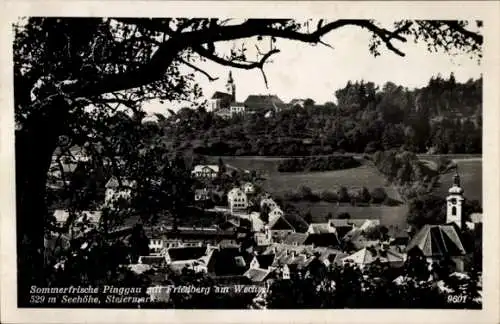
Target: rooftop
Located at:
point(186, 253)
point(438, 241)
point(228, 261)
point(257, 275)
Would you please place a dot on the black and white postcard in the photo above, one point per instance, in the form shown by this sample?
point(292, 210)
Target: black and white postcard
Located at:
point(287, 161)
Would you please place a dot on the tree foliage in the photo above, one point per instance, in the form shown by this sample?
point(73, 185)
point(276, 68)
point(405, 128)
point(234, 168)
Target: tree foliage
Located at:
point(443, 117)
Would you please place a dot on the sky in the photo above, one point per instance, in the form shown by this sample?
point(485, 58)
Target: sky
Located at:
point(304, 71)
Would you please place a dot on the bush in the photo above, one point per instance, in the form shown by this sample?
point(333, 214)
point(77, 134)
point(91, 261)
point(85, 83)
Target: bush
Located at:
point(318, 164)
point(343, 195)
point(378, 195)
point(329, 196)
point(344, 216)
point(365, 195)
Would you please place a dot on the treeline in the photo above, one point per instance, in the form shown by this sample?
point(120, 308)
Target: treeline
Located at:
point(341, 194)
point(444, 117)
point(261, 146)
point(320, 163)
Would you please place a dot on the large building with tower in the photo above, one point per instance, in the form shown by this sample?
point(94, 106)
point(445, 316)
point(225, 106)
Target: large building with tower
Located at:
point(224, 104)
point(441, 242)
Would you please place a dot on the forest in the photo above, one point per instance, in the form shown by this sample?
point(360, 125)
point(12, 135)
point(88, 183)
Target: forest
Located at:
point(444, 117)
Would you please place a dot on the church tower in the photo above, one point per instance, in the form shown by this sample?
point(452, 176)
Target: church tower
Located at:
point(231, 87)
point(454, 202)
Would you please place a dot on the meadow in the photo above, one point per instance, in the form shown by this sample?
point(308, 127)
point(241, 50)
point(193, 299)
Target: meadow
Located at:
point(363, 176)
point(394, 217)
point(470, 171)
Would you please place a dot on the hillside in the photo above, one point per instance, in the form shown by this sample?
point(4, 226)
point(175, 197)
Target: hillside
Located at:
point(444, 117)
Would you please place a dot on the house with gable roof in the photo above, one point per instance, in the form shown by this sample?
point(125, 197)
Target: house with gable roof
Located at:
point(237, 199)
point(205, 171)
point(248, 188)
point(264, 103)
point(382, 254)
point(262, 261)
point(179, 258)
point(81, 222)
point(117, 189)
point(228, 261)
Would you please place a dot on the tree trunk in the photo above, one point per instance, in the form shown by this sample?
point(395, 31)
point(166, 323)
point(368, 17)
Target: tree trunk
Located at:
point(35, 144)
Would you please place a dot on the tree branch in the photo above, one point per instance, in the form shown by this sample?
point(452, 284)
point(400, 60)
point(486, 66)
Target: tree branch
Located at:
point(210, 78)
point(178, 42)
point(454, 25)
point(227, 62)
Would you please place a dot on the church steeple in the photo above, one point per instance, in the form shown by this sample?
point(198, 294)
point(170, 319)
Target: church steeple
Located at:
point(456, 178)
point(454, 202)
point(231, 87)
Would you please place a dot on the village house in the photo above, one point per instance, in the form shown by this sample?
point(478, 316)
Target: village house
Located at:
point(285, 253)
point(249, 188)
point(83, 221)
point(184, 257)
point(59, 175)
point(262, 261)
point(295, 239)
point(201, 194)
point(156, 245)
point(236, 108)
point(476, 221)
point(219, 100)
point(264, 103)
point(164, 237)
point(205, 171)
point(276, 213)
point(269, 203)
point(153, 261)
point(297, 103)
point(321, 228)
point(228, 261)
point(280, 227)
point(237, 199)
point(330, 240)
point(224, 113)
point(117, 190)
point(346, 228)
point(275, 229)
point(260, 277)
point(263, 237)
point(382, 253)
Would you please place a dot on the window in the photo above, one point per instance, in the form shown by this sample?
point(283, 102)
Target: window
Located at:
point(454, 211)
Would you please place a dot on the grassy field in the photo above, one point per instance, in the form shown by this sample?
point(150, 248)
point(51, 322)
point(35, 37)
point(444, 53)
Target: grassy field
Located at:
point(268, 165)
point(470, 171)
point(470, 168)
point(363, 176)
point(394, 218)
